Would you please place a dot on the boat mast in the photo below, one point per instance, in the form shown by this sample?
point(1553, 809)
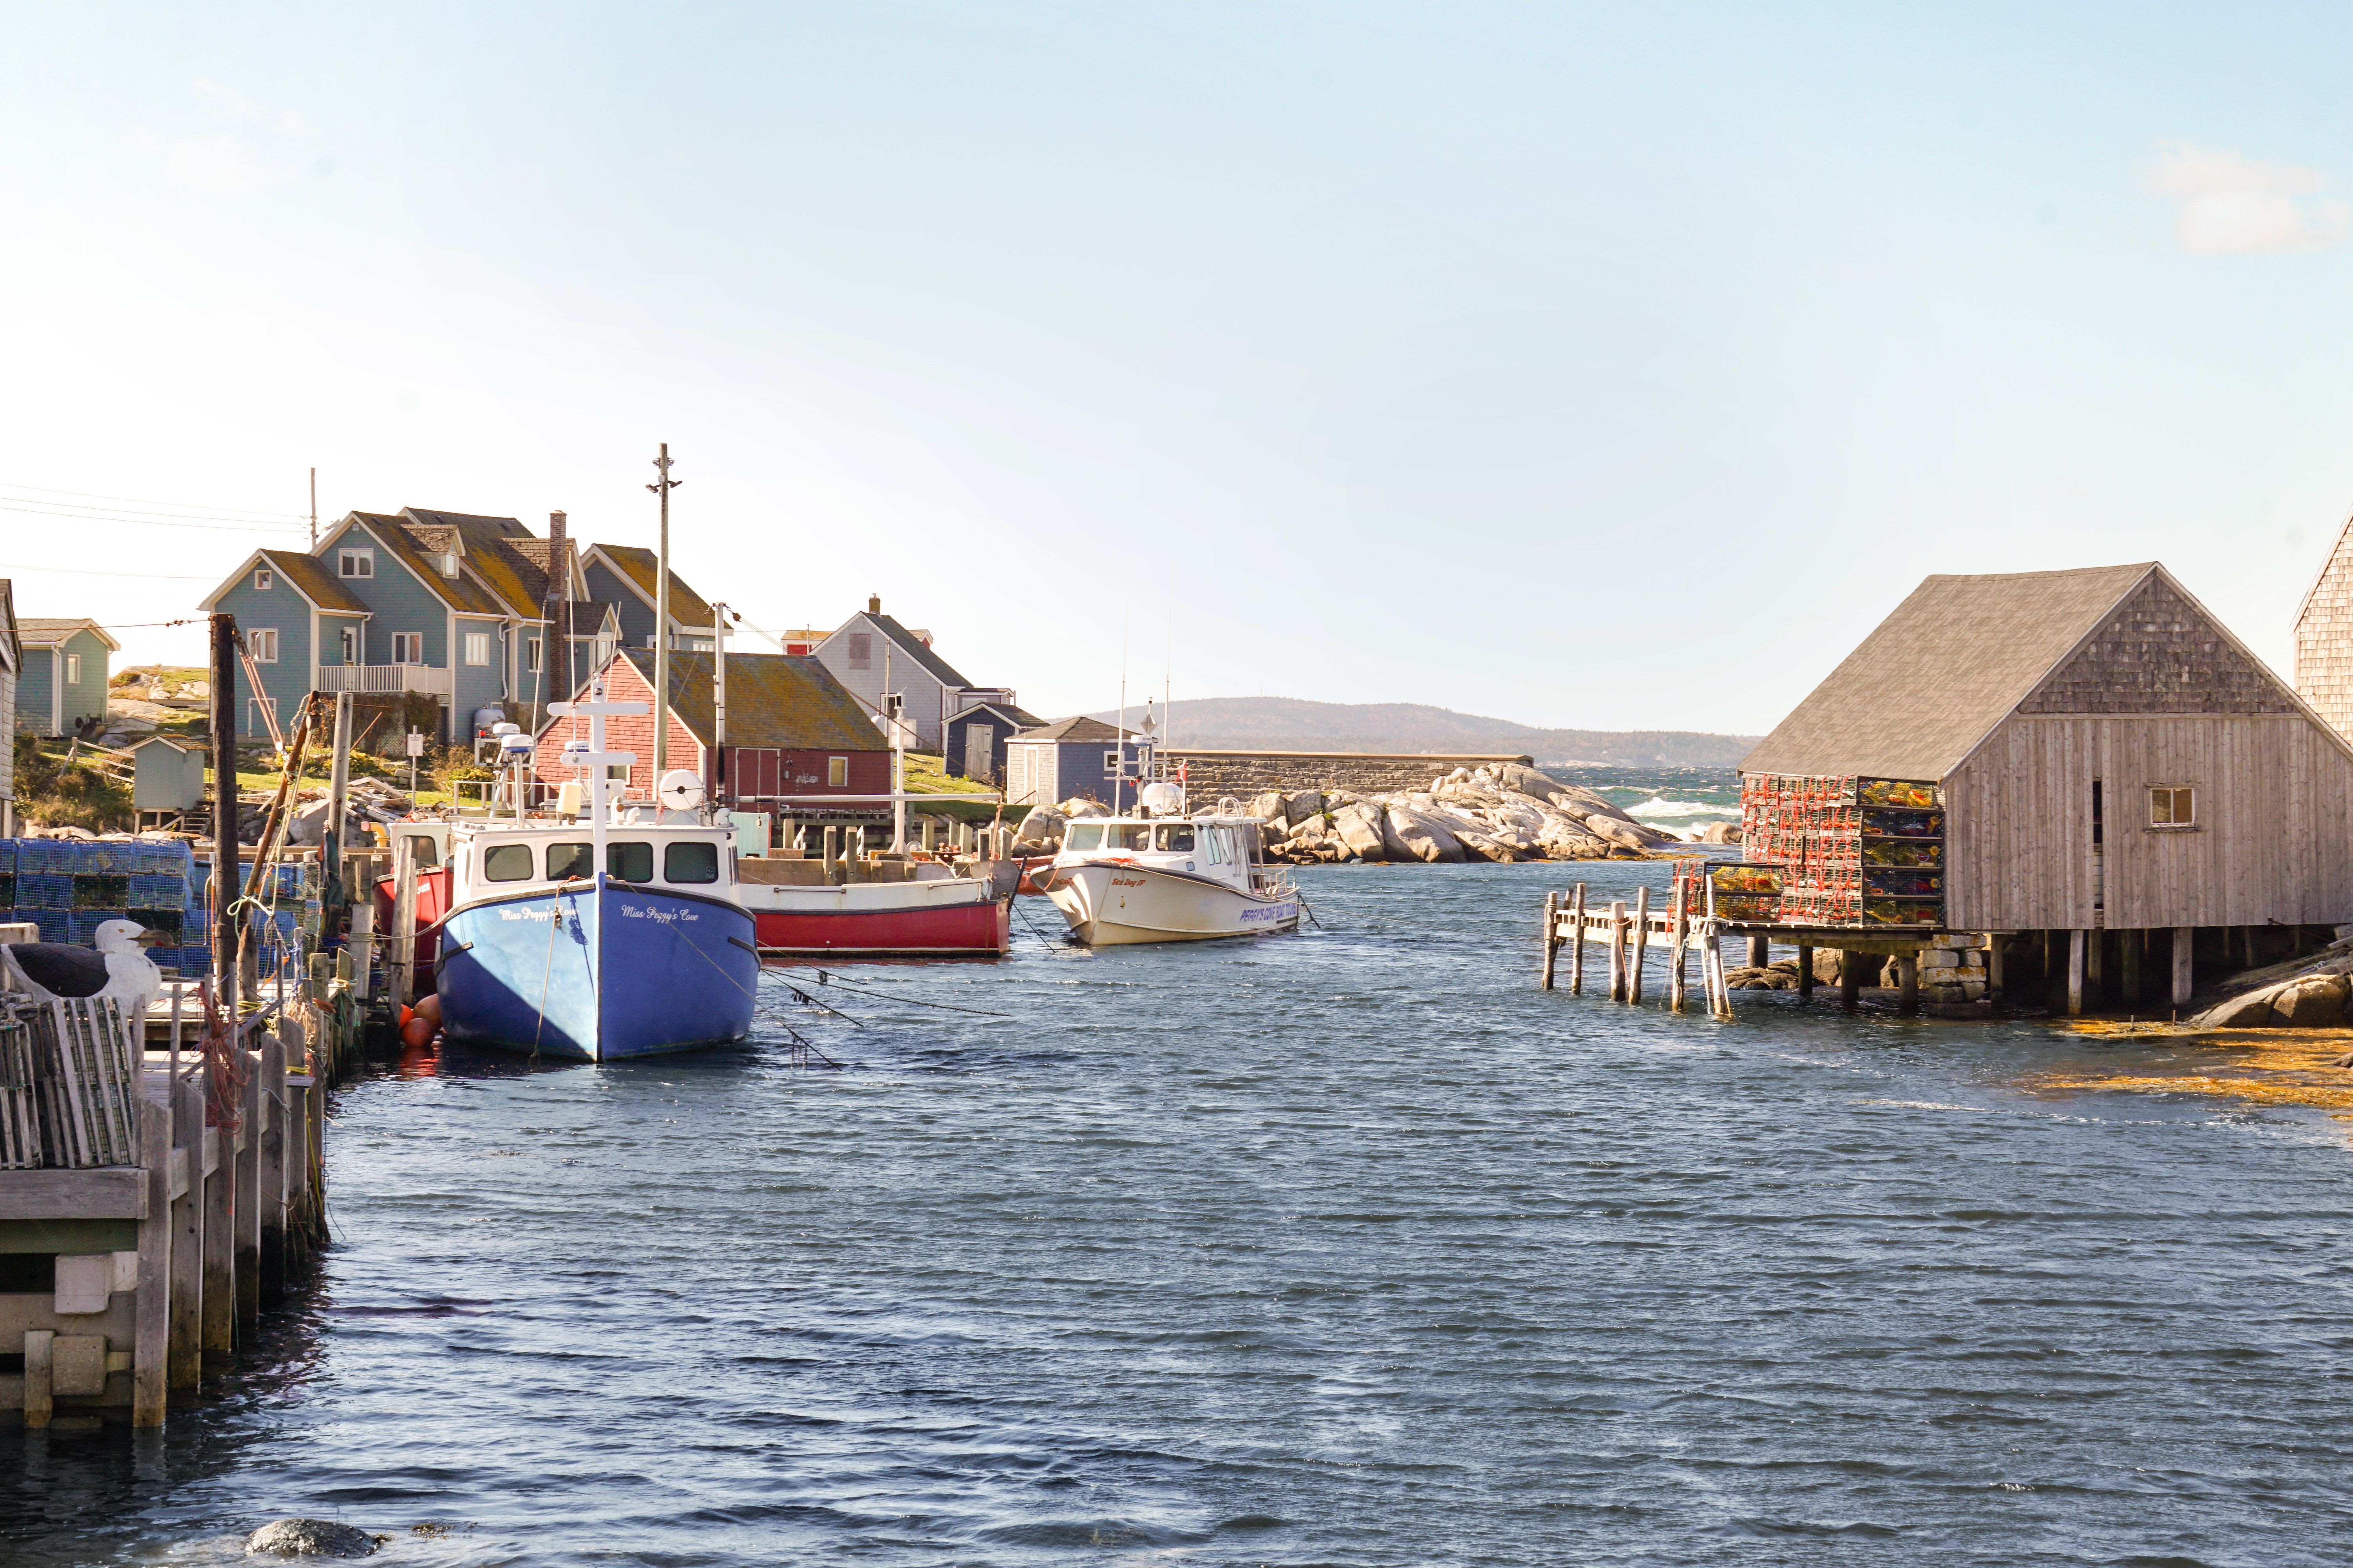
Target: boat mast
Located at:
point(891, 706)
point(721, 773)
point(661, 620)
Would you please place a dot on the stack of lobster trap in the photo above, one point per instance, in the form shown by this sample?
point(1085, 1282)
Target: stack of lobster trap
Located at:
point(1832, 851)
point(69, 1083)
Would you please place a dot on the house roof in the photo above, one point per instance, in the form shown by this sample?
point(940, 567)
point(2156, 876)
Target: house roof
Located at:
point(177, 745)
point(40, 631)
point(687, 607)
point(311, 578)
point(1953, 660)
point(493, 549)
point(1005, 710)
point(409, 545)
point(908, 643)
point(1079, 729)
point(773, 699)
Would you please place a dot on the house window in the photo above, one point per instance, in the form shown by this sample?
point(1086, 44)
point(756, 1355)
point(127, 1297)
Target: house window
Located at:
point(261, 642)
point(836, 773)
point(2172, 805)
point(408, 647)
point(478, 648)
point(531, 655)
point(861, 650)
point(261, 579)
point(357, 563)
point(350, 641)
point(73, 668)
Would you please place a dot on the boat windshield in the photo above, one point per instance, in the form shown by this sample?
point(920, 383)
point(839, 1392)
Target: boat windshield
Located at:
point(690, 860)
point(570, 862)
point(1127, 835)
point(632, 861)
point(1176, 837)
point(507, 863)
point(1083, 835)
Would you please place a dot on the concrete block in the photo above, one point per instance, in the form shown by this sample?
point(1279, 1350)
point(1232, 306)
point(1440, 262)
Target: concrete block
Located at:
point(77, 1364)
point(85, 1280)
point(1940, 958)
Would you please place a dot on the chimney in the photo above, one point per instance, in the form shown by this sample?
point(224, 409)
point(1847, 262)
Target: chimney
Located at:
point(874, 603)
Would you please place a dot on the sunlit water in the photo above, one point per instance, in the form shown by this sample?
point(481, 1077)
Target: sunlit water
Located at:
point(1351, 1248)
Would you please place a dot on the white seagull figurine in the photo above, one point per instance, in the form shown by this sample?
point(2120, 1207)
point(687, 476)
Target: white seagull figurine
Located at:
point(116, 968)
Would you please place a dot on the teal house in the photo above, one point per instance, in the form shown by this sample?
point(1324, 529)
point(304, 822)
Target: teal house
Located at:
point(63, 681)
point(477, 615)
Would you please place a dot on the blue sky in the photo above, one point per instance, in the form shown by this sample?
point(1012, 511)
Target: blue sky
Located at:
point(1607, 366)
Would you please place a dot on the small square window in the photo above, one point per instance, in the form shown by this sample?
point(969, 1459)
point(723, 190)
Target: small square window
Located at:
point(408, 647)
point(531, 655)
point(357, 563)
point(262, 642)
point(861, 650)
point(261, 579)
point(478, 648)
point(2172, 805)
point(73, 668)
point(836, 773)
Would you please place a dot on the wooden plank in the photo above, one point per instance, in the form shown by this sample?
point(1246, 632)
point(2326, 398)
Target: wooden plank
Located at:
point(1640, 930)
point(246, 1246)
point(1617, 950)
point(269, 1172)
point(1577, 943)
point(39, 1397)
point(1551, 935)
point(1677, 979)
point(115, 1191)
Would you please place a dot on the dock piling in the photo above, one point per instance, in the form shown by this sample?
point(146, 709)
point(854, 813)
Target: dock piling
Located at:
point(1617, 950)
point(151, 1321)
point(1551, 934)
point(1850, 978)
point(183, 1350)
point(2075, 973)
point(1804, 972)
point(1639, 937)
point(2182, 936)
point(1676, 984)
point(1908, 983)
point(1577, 941)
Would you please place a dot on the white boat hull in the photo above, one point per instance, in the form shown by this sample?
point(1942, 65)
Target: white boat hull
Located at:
point(1108, 903)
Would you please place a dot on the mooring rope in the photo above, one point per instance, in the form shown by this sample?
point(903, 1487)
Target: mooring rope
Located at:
point(823, 979)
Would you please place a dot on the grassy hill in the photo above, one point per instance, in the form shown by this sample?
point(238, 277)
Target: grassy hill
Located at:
point(1273, 724)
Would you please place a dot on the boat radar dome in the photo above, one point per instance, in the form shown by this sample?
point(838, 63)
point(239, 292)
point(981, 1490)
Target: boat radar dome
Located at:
point(1160, 798)
point(678, 791)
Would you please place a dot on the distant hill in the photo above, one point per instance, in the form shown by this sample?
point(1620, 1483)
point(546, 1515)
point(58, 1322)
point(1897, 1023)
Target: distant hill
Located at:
point(1275, 724)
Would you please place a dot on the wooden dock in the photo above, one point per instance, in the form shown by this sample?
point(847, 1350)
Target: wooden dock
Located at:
point(162, 1262)
point(1626, 936)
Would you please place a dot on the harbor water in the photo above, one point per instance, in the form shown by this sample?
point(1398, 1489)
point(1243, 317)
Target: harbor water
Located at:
point(1346, 1247)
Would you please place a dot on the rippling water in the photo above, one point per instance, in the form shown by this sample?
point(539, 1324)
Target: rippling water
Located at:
point(1352, 1247)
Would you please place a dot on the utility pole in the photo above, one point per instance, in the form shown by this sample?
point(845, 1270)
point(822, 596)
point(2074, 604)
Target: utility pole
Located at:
point(314, 508)
point(661, 619)
point(225, 877)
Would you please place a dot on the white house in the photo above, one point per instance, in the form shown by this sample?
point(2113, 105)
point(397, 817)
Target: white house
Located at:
point(870, 647)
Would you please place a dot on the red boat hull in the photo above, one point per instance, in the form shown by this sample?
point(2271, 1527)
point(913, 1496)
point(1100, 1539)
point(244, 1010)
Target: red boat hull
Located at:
point(957, 928)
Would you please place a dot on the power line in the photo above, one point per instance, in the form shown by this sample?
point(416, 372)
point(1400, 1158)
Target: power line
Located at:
point(145, 522)
point(86, 572)
point(143, 500)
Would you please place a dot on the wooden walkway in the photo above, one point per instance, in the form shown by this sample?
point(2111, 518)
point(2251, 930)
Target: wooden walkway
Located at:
point(1626, 936)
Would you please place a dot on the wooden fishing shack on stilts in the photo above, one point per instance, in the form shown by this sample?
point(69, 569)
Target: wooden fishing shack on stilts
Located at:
point(2074, 789)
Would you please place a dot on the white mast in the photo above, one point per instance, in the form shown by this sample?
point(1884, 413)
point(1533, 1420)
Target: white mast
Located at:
point(596, 760)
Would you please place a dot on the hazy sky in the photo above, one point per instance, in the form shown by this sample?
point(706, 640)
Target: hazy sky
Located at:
point(1604, 366)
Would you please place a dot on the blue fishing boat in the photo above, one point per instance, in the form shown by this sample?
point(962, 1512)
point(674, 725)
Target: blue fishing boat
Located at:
point(619, 937)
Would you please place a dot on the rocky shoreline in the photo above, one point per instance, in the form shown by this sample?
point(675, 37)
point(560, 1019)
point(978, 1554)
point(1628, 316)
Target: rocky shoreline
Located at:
point(1500, 813)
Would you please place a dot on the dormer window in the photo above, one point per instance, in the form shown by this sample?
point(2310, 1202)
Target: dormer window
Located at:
point(359, 563)
point(448, 563)
point(261, 579)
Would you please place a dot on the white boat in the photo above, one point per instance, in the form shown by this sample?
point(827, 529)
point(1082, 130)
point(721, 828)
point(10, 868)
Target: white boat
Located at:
point(1162, 876)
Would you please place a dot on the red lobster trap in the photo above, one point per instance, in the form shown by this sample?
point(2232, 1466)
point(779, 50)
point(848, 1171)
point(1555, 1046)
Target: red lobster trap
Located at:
point(1836, 850)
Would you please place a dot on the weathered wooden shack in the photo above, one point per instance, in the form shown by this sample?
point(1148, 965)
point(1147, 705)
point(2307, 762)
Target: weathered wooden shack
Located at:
point(2118, 776)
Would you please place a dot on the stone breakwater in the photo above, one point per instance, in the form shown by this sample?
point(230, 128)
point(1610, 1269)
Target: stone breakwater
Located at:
point(1507, 812)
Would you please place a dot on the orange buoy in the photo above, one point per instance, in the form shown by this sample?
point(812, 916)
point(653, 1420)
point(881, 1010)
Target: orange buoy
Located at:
point(416, 1032)
point(430, 1007)
point(406, 1013)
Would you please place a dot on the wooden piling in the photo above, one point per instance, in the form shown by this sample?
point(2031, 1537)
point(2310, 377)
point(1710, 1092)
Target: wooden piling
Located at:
point(1551, 934)
point(1676, 982)
point(1639, 933)
point(1760, 951)
point(270, 1174)
point(2183, 940)
point(1577, 941)
point(1997, 965)
point(40, 1381)
point(1908, 983)
point(2076, 945)
point(1850, 978)
point(1804, 972)
point(1617, 950)
point(217, 1312)
point(245, 1247)
point(2129, 944)
point(151, 1314)
point(184, 1352)
point(400, 966)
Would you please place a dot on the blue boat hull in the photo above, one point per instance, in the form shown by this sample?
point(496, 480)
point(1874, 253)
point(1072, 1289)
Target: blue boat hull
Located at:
point(597, 973)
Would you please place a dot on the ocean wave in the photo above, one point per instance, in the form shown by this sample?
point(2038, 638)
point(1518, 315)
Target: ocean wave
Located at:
point(1661, 806)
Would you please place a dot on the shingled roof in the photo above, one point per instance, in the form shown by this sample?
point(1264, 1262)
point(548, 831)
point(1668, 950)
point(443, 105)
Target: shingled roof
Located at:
point(637, 564)
point(1079, 729)
point(1962, 654)
point(311, 578)
point(773, 699)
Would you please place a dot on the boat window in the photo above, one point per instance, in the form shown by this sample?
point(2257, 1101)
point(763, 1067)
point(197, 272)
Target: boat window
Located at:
point(421, 848)
point(507, 863)
point(1127, 835)
point(1176, 837)
point(630, 862)
point(688, 861)
point(567, 861)
point(1083, 835)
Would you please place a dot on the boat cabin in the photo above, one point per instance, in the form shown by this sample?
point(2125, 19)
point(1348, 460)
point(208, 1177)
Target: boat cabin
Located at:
point(491, 862)
point(1223, 848)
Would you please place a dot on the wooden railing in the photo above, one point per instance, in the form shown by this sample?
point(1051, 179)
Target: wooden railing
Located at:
point(385, 679)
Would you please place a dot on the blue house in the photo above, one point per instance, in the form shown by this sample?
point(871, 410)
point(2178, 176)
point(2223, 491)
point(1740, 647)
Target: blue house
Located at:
point(64, 677)
point(450, 606)
point(624, 576)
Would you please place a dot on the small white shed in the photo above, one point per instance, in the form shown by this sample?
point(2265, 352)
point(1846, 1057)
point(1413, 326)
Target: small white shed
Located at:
point(167, 776)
